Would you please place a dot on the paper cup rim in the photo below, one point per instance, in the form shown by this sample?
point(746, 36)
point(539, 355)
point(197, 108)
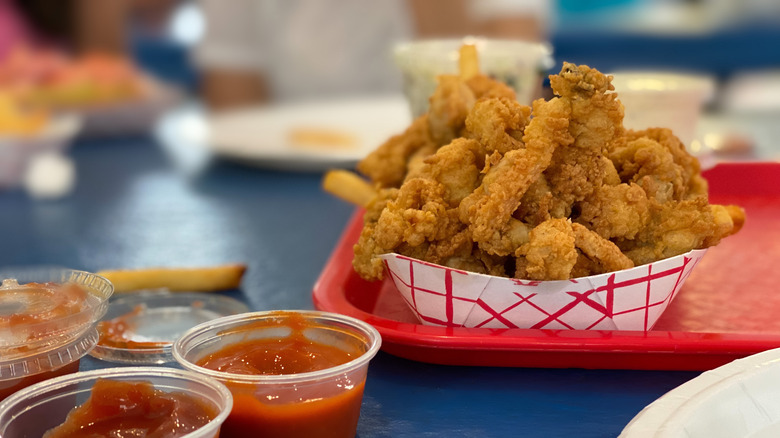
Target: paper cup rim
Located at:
point(550, 282)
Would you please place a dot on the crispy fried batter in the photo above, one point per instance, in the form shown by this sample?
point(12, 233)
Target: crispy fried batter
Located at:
point(651, 165)
point(449, 106)
point(365, 262)
point(549, 253)
point(618, 211)
point(489, 208)
point(456, 166)
point(596, 122)
point(484, 87)
point(567, 194)
point(676, 227)
point(605, 254)
point(387, 165)
point(498, 124)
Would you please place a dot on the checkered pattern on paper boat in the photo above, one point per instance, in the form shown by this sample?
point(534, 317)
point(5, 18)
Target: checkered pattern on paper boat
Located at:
point(632, 299)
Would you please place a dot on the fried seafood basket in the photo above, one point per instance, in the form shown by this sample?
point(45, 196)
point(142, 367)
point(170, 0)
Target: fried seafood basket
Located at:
point(486, 214)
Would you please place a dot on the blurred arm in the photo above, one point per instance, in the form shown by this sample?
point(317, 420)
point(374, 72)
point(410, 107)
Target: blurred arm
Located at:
point(228, 55)
point(226, 88)
point(526, 19)
point(101, 25)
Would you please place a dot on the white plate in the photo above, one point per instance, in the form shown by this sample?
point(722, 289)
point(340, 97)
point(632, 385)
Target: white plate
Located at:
point(17, 152)
point(261, 136)
point(739, 399)
point(132, 116)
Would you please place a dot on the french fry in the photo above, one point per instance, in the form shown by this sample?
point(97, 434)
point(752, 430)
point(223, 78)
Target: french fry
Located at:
point(348, 186)
point(468, 62)
point(177, 279)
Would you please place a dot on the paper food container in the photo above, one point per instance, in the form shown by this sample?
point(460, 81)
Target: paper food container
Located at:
point(631, 299)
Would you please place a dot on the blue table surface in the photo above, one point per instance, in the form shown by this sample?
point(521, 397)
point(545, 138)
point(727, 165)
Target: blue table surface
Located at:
point(131, 208)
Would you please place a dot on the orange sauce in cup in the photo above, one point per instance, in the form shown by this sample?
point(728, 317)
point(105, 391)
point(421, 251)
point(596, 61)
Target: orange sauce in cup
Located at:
point(114, 332)
point(8, 387)
point(40, 302)
point(277, 414)
point(32, 314)
point(118, 408)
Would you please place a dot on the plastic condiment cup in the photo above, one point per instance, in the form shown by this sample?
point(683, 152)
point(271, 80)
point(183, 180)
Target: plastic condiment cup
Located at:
point(664, 100)
point(34, 351)
point(38, 333)
point(519, 64)
point(38, 408)
point(19, 372)
point(323, 403)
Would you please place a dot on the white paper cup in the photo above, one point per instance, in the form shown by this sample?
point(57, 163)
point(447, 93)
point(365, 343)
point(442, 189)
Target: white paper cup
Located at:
point(663, 99)
point(519, 64)
point(631, 299)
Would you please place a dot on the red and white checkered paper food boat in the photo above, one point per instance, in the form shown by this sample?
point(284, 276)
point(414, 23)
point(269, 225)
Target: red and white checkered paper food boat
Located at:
point(631, 299)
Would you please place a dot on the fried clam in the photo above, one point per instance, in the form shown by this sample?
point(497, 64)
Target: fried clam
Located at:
point(387, 165)
point(676, 227)
point(421, 218)
point(399, 158)
point(596, 122)
point(558, 247)
point(565, 192)
point(657, 161)
point(488, 210)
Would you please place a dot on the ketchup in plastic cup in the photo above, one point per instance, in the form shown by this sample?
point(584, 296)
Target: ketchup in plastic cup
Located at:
point(47, 319)
point(293, 374)
point(181, 404)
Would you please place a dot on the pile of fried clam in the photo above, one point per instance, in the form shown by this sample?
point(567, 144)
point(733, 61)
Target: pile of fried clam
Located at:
point(557, 191)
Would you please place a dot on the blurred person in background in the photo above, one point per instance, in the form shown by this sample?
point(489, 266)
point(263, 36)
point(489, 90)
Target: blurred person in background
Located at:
point(79, 25)
point(280, 50)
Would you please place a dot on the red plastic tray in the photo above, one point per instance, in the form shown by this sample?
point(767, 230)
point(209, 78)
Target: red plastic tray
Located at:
point(729, 307)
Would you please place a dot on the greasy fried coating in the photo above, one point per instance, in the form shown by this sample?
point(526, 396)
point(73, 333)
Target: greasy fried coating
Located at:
point(416, 163)
point(596, 122)
point(489, 208)
point(536, 204)
point(737, 215)
point(657, 161)
point(414, 216)
point(365, 261)
point(498, 124)
point(484, 87)
point(400, 157)
point(605, 254)
point(694, 183)
point(421, 218)
point(549, 253)
point(567, 194)
point(618, 211)
point(387, 165)
point(676, 227)
point(456, 166)
point(449, 105)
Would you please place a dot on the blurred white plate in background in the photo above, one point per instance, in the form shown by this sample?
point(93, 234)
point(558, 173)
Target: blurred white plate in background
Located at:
point(309, 136)
point(132, 116)
point(739, 399)
point(16, 152)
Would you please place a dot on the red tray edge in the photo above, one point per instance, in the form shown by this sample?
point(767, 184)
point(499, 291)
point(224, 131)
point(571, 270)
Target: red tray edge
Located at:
point(540, 347)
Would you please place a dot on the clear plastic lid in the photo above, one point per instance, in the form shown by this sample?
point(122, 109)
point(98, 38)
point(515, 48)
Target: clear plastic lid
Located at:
point(59, 305)
point(43, 360)
point(139, 328)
